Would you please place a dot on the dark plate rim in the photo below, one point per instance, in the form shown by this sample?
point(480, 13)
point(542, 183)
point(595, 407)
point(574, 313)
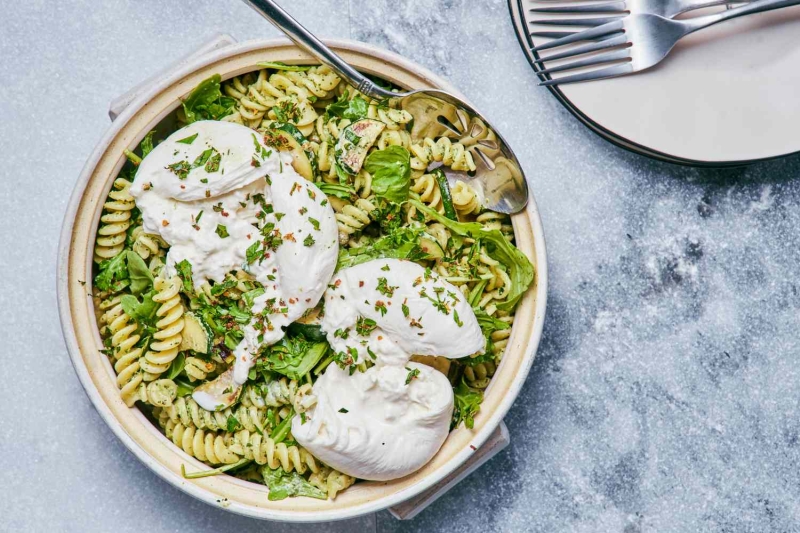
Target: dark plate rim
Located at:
point(525, 43)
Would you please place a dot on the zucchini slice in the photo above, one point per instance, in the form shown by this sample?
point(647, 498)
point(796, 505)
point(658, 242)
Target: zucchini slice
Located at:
point(431, 246)
point(286, 142)
point(197, 336)
point(354, 143)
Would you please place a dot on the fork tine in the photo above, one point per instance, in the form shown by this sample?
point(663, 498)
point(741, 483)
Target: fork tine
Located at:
point(594, 21)
point(585, 35)
point(560, 34)
point(608, 57)
point(610, 42)
point(608, 7)
point(603, 73)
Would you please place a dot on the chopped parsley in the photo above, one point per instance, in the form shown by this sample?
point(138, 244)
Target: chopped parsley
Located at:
point(365, 326)
point(188, 140)
point(180, 169)
point(308, 241)
point(222, 231)
point(384, 287)
point(412, 374)
point(314, 222)
point(343, 410)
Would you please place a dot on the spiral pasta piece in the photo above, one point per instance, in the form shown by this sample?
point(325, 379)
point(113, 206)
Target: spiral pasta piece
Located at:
point(331, 481)
point(114, 222)
point(160, 392)
point(265, 451)
point(478, 376)
point(186, 411)
point(465, 199)
point(208, 446)
point(427, 188)
point(147, 244)
point(197, 369)
point(351, 218)
point(167, 338)
point(445, 151)
point(499, 221)
point(122, 330)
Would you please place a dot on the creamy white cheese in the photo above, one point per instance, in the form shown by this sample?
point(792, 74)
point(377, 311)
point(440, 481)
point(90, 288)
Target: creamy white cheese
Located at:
point(414, 310)
point(372, 425)
point(391, 420)
point(206, 190)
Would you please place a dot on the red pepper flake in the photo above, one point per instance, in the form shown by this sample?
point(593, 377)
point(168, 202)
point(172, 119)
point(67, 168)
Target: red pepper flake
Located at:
point(248, 236)
point(292, 300)
point(165, 223)
point(360, 283)
point(473, 447)
point(380, 337)
point(290, 237)
point(183, 186)
point(337, 282)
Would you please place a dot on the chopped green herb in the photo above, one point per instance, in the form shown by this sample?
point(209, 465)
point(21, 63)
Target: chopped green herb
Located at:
point(188, 140)
point(222, 231)
point(412, 374)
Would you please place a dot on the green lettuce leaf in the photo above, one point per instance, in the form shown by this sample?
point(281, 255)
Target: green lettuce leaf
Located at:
point(113, 274)
point(391, 173)
point(467, 404)
point(520, 269)
point(293, 357)
point(206, 101)
point(184, 269)
point(488, 326)
point(338, 190)
point(140, 276)
point(345, 107)
point(143, 312)
point(147, 143)
point(283, 485)
point(402, 243)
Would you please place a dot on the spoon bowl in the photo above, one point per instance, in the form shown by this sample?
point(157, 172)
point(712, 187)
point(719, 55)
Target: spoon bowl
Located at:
point(497, 177)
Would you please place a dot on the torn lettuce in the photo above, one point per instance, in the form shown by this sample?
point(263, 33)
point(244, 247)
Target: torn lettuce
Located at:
point(285, 484)
point(391, 173)
point(520, 269)
point(467, 404)
point(402, 243)
point(206, 101)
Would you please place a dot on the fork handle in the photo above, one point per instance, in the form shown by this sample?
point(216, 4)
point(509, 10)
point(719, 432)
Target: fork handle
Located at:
point(759, 6)
point(308, 41)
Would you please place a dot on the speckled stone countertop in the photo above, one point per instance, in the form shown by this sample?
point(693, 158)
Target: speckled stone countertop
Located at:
point(664, 396)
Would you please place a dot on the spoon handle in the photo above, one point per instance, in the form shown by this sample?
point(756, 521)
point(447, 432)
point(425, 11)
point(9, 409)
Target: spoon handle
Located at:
point(306, 40)
point(754, 7)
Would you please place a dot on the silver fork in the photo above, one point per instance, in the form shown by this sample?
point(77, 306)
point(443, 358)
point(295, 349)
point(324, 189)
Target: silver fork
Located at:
point(647, 39)
point(618, 9)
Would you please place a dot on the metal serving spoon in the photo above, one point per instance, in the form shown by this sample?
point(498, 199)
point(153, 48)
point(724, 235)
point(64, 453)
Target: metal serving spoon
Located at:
point(498, 176)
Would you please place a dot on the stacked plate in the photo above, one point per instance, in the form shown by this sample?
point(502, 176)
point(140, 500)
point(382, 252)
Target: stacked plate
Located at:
point(725, 96)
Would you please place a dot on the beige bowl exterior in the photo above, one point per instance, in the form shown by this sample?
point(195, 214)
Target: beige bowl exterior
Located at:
point(97, 376)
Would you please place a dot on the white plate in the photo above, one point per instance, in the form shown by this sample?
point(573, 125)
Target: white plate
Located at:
point(726, 95)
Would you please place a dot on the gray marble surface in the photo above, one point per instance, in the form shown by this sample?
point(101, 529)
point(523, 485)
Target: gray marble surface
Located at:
point(664, 396)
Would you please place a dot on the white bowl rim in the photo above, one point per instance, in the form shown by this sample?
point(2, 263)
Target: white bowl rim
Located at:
point(196, 491)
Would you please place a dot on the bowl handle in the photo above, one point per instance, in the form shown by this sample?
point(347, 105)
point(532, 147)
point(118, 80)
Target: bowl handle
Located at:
point(118, 104)
point(496, 442)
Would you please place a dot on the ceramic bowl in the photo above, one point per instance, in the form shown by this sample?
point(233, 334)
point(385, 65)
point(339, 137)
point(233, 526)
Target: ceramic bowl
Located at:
point(80, 328)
